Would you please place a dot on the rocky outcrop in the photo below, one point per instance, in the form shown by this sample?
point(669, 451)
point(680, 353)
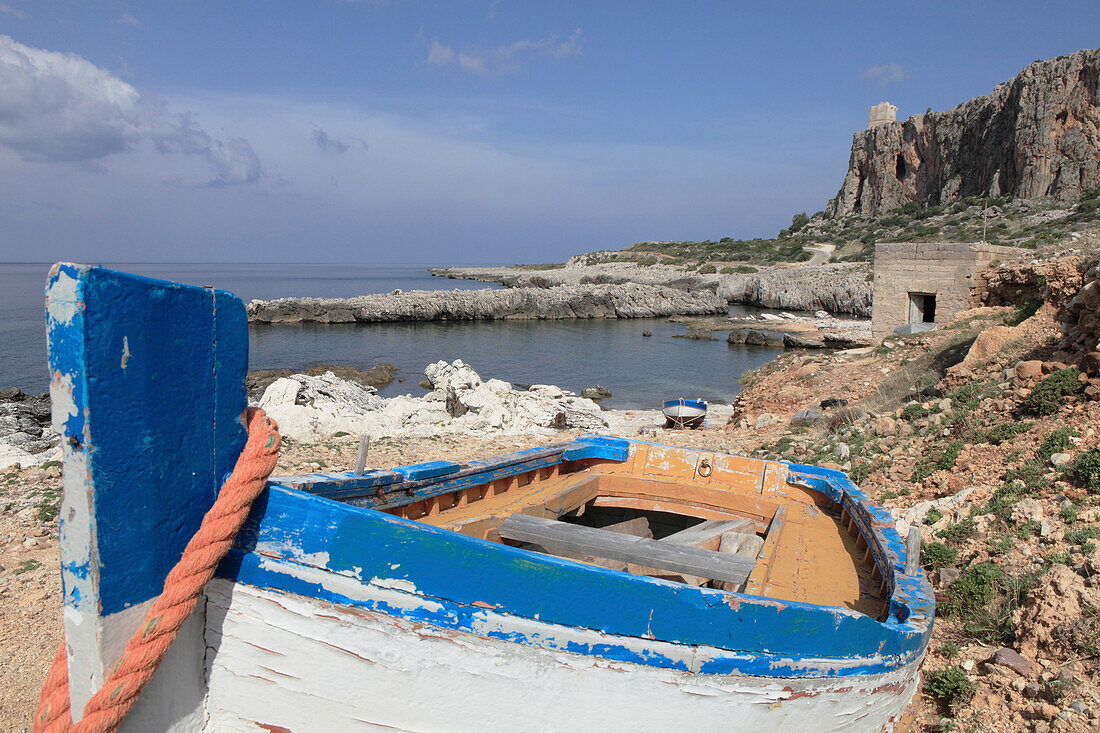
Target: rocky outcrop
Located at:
point(310, 408)
point(562, 302)
point(379, 375)
point(25, 433)
point(1037, 135)
point(837, 288)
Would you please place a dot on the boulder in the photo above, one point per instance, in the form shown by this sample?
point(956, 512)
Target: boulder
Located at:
point(1029, 370)
point(809, 416)
point(803, 341)
point(756, 337)
point(596, 393)
point(884, 426)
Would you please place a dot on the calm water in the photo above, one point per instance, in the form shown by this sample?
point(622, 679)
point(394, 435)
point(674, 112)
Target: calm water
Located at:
point(639, 371)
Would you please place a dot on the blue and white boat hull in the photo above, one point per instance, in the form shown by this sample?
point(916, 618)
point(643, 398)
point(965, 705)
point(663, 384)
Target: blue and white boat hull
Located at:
point(342, 607)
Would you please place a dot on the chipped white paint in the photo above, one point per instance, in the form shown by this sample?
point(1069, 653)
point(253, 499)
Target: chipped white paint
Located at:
point(125, 351)
point(62, 404)
point(394, 584)
point(62, 299)
point(295, 662)
point(79, 569)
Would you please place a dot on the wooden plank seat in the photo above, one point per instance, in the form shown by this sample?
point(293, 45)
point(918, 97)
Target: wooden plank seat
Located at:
point(563, 537)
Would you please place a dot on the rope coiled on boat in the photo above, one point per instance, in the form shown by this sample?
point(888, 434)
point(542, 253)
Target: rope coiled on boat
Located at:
point(182, 589)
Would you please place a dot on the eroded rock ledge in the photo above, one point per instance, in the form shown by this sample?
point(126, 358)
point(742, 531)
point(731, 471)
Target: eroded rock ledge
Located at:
point(630, 300)
point(835, 287)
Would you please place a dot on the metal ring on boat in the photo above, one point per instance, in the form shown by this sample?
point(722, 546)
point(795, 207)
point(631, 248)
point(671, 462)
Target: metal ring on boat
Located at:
point(704, 468)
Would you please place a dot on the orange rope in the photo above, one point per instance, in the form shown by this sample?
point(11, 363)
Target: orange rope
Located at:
point(182, 589)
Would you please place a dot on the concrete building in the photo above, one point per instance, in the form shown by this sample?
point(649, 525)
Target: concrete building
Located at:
point(882, 113)
point(919, 286)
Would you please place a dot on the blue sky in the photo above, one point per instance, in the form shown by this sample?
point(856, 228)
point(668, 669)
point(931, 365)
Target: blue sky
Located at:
point(461, 132)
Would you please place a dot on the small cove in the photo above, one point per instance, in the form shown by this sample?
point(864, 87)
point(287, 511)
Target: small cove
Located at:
point(640, 371)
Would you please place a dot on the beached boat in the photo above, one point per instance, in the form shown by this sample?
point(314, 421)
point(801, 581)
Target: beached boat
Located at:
point(598, 584)
point(684, 412)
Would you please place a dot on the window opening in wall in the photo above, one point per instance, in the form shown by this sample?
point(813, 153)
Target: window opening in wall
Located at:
point(922, 308)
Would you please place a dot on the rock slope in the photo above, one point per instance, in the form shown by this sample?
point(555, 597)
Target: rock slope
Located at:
point(1036, 135)
point(629, 300)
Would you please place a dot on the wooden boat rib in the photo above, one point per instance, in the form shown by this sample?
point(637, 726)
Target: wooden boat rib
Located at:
point(495, 594)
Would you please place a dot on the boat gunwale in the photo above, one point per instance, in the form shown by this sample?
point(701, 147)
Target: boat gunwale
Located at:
point(910, 600)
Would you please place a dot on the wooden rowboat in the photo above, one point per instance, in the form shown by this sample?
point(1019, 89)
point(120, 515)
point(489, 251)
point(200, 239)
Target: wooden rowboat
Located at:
point(601, 583)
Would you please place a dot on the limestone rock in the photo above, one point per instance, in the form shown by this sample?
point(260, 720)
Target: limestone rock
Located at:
point(624, 300)
point(1037, 135)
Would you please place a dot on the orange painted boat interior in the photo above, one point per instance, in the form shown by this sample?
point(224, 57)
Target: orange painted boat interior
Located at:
point(812, 552)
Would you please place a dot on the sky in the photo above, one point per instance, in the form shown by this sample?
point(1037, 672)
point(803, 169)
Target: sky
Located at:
point(487, 132)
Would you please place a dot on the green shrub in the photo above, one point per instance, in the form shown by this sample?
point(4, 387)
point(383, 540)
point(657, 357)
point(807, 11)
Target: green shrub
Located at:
point(1086, 470)
point(1006, 431)
point(1027, 529)
point(950, 686)
point(913, 411)
point(1049, 395)
point(937, 555)
point(1081, 536)
point(959, 531)
point(707, 269)
point(1000, 545)
point(942, 461)
point(934, 515)
point(984, 598)
point(1025, 309)
point(1057, 441)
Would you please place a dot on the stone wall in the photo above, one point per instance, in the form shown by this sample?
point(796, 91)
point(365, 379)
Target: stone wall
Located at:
point(949, 270)
point(882, 113)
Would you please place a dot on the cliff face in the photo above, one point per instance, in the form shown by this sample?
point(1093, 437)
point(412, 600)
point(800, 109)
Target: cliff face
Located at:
point(1037, 135)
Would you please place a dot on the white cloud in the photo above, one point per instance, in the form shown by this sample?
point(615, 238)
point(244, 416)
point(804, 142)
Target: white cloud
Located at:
point(6, 9)
point(128, 20)
point(506, 58)
point(885, 73)
point(57, 107)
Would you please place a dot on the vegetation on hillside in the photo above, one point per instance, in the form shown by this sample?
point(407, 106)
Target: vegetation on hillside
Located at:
point(1019, 223)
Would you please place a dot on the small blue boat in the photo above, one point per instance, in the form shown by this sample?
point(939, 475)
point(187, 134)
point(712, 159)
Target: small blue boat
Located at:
point(684, 412)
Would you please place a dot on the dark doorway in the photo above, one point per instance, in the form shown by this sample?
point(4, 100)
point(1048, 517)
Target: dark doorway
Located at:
point(900, 168)
point(922, 308)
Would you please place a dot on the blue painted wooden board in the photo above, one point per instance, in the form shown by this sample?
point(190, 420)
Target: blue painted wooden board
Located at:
point(157, 373)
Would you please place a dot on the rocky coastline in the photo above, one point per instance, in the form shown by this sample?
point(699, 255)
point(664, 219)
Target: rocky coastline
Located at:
point(843, 287)
point(627, 300)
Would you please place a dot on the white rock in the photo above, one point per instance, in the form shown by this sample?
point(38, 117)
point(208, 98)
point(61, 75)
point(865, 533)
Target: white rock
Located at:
point(456, 374)
point(1059, 459)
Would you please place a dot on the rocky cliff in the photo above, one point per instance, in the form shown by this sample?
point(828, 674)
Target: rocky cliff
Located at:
point(630, 300)
point(1037, 135)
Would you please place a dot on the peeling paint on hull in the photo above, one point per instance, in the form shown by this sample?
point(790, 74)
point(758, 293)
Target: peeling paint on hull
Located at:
point(385, 673)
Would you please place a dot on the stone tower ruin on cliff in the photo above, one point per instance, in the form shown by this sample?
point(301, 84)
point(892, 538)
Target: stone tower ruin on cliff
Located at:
point(1037, 135)
point(882, 113)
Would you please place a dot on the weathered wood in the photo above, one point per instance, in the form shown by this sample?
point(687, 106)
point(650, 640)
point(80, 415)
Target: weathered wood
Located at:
point(708, 535)
point(636, 527)
point(912, 551)
point(562, 536)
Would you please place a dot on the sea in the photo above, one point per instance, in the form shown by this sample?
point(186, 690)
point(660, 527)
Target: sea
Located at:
point(639, 371)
